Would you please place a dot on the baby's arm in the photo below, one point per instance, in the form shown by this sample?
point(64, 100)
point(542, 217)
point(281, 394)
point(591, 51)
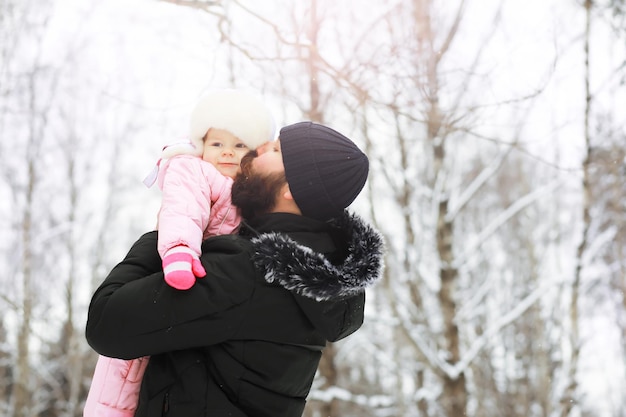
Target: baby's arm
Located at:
point(184, 214)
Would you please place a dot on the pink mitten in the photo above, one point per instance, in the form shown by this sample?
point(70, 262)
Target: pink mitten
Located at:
point(181, 266)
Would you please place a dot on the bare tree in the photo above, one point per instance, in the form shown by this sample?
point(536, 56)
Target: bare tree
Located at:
point(570, 394)
point(26, 194)
point(468, 319)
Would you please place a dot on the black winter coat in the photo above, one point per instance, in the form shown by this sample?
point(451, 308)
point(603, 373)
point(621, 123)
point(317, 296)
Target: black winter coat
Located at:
point(245, 340)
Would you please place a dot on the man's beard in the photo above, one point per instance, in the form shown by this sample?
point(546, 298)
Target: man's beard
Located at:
point(255, 193)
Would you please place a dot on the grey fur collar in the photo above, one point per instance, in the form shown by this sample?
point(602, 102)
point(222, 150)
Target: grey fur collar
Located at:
point(299, 269)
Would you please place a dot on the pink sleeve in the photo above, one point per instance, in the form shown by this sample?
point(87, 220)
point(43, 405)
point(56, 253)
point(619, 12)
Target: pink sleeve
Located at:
point(114, 390)
point(186, 205)
point(196, 203)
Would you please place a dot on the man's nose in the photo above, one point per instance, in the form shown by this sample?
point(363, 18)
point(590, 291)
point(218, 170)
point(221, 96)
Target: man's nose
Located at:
point(263, 148)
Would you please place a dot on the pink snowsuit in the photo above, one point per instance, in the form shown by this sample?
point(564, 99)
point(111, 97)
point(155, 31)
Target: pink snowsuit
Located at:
point(196, 204)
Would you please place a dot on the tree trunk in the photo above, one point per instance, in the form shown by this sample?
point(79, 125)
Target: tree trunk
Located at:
point(21, 391)
point(328, 370)
point(454, 389)
point(569, 398)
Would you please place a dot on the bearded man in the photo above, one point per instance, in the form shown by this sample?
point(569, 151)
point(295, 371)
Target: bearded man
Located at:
point(246, 340)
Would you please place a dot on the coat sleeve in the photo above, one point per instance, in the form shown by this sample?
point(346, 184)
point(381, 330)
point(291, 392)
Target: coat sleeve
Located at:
point(186, 202)
point(135, 313)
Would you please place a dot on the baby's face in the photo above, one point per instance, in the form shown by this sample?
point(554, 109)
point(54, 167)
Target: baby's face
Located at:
point(224, 150)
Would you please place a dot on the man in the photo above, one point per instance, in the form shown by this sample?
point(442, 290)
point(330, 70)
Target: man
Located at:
point(247, 339)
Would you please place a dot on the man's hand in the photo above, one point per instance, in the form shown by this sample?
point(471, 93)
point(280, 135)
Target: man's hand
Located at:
point(181, 266)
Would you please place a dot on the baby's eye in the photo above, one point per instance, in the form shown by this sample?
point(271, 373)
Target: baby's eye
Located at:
point(241, 145)
point(216, 144)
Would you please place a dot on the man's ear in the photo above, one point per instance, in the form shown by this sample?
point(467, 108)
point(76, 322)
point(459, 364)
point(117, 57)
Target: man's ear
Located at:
point(285, 203)
point(286, 192)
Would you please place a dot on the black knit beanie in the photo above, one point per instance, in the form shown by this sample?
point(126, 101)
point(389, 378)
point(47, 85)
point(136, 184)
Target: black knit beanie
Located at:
point(325, 170)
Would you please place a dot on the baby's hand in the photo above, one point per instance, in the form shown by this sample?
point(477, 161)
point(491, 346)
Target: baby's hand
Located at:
point(181, 266)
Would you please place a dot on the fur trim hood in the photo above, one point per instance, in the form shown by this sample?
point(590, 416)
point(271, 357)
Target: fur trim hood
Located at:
point(309, 274)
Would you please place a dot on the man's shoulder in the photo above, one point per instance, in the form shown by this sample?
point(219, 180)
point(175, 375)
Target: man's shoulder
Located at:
point(226, 243)
point(227, 260)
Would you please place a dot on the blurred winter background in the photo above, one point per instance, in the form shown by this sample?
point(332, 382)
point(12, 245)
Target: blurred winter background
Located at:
point(496, 132)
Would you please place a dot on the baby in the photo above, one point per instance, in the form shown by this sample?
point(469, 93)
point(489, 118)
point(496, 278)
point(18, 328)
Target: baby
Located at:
point(195, 178)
